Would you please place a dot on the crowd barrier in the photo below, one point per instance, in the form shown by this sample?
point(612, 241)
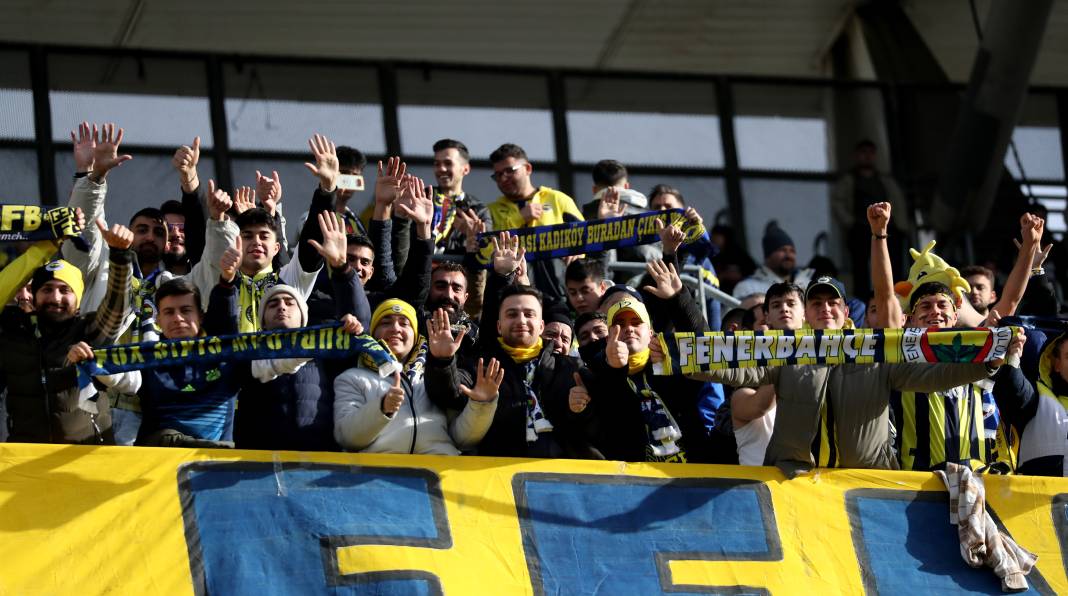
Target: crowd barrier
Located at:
point(90, 520)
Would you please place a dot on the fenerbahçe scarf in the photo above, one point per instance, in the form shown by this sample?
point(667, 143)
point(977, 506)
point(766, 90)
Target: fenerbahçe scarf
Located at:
point(694, 353)
point(323, 341)
point(580, 237)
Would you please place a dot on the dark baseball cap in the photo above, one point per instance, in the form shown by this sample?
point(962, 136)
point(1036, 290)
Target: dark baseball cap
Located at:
point(826, 282)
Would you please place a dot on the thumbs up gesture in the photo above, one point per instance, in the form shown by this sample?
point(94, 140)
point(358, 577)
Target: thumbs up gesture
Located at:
point(394, 397)
point(616, 351)
point(578, 398)
point(119, 237)
point(230, 262)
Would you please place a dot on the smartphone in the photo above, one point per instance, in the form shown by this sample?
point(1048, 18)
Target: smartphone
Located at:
point(350, 182)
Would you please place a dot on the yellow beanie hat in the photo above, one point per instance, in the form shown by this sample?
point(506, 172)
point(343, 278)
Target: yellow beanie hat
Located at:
point(63, 271)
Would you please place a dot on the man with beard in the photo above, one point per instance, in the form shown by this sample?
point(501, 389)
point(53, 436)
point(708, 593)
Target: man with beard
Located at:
point(177, 257)
point(448, 291)
point(42, 400)
point(780, 265)
point(523, 205)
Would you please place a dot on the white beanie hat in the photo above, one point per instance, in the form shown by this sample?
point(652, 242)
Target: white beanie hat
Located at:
point(284, 289)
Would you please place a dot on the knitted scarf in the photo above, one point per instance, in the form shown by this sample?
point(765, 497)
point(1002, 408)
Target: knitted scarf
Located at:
point(250, 291)
point(536, 420)
point(662, 432)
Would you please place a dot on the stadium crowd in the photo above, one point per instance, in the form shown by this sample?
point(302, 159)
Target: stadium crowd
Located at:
point(549, 357)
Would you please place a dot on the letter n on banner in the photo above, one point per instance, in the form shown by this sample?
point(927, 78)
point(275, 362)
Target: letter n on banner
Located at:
point(586, 534)
point(262, 528)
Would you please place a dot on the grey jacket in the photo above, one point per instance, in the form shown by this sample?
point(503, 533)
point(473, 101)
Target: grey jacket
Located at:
point(859, 398)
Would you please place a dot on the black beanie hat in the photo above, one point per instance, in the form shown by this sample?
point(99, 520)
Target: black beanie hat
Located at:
point(558, 313)
point(775, 238)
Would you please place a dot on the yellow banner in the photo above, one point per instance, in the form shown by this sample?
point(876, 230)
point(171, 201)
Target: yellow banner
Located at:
point(89, 520)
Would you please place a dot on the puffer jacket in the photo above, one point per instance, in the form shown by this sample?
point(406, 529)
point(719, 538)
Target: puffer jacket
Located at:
point(418, 427)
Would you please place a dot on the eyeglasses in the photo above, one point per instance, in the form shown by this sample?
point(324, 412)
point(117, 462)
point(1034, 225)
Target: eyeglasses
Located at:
point(507, 172)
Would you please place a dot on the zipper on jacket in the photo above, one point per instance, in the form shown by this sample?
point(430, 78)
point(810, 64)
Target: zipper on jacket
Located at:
point(411, 406)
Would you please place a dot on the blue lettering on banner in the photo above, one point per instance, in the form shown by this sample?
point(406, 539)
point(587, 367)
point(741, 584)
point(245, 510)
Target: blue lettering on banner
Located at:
point(906, 545)
point(259, 528)
point(593, 534)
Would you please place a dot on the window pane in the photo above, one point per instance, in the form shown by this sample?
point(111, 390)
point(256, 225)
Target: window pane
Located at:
point(781, 127)
point(16, 98)
point(18, 170)
point(1038, 140)
point(707, 195)
point(482, 110)
point(159, 102)
point(802, 210)
point(479, 184)
point(144, 181)
point(632, 120)
point(278, 107)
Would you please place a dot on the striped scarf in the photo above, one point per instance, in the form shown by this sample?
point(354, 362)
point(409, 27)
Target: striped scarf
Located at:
point(662, 432)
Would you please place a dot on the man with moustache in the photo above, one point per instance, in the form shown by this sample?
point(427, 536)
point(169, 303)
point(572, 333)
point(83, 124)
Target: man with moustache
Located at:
point(454, 208)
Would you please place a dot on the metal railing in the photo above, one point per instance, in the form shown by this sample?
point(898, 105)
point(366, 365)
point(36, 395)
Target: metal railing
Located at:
point(691, 277)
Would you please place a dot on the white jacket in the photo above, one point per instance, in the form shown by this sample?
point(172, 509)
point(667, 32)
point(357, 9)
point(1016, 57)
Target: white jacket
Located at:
point(418, 427)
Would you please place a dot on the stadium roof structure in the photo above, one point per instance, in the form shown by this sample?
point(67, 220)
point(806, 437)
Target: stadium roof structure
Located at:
point(790, 38)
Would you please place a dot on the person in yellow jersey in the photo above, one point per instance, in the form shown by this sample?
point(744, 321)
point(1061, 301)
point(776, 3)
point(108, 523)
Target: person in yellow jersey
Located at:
point(523, 205)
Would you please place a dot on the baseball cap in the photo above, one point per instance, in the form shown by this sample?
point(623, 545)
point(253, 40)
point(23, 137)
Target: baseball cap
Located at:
point(826, 282)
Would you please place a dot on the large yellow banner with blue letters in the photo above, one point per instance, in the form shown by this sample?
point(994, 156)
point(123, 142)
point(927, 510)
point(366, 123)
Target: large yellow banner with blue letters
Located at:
point(91, 520)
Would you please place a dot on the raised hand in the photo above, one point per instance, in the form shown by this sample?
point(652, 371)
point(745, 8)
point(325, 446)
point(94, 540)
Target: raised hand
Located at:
point(351, 325)
point(1015, 350)
point(218, 201)
point(693, 217)
point(668, 282)
point(879, 218)
point(388, 183)
point(531, 212)
point(119, 237)
point(487, 382)
point(521, 277)
point(471, 240)
point(993, 318)
point(84, 147)
point(269, 190)
point(106, 153)
point(416, 206)
point(230, 261)
point(440, 340)
point(616, 350)
point(79, 352)
point(334, 242)
point(394, 397)
point(671, 237)
point(185, 160)
point(244, 199)
point(578, 398)
point(507, 253)
point(610, 205)
point(326, 164)
point(656, 351)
